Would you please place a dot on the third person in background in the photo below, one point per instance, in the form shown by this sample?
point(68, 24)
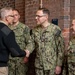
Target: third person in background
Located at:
point(71, 51)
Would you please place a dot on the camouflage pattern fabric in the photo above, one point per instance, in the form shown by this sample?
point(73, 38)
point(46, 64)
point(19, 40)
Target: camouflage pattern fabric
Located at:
point(49, 48)
point(22, 35)
point(44, 72)
point(71, 57)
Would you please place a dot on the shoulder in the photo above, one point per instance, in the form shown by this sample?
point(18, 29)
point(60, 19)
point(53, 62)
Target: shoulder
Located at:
point(37, 28)
point(55, 29)
point(25, 28)
point(22, 25)
point(6, 30)
point(55, 26)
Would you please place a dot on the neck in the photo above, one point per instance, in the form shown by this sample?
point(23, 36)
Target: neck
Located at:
point(45, 25)
point(4, 21)
point(15, 23)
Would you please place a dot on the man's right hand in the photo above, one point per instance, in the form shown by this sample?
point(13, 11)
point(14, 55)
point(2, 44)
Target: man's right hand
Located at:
point(27, 53)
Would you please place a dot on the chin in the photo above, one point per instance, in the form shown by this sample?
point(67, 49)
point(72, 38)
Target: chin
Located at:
point(11, 23)
point(38, 23)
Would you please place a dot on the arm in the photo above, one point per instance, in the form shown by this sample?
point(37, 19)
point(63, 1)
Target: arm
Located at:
point(12, 46)
point(59, 42)
point(27, 37)
point(28, 43)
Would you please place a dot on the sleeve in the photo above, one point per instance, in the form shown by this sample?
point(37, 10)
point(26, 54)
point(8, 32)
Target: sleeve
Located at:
point(12, 46)
point(28, 40)
point(59, 42)
point(33, 40)
point(70, 48)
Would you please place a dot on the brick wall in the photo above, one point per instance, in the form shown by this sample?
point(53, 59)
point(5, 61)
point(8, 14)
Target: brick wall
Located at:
point(72, 9)
point(55, 7)
point(20, 5)
point(30, 8)
point(56, 10)
point(8, 3)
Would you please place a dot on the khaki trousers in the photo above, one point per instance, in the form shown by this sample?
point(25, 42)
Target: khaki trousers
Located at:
point(3, 70)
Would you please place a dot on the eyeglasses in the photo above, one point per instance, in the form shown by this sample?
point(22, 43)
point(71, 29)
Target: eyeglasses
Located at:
point(16, 14)
point(11, 15)
point(40, 16)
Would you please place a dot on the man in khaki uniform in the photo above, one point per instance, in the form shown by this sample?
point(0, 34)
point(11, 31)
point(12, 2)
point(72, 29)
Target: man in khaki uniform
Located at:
point(48, 43)
point(22, 35)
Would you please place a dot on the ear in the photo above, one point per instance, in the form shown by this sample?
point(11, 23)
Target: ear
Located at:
point(7, 18)
point(46, 16)
point(19, 16)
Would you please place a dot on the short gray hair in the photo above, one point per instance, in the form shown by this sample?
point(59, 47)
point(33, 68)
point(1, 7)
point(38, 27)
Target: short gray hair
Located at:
point(4, 12)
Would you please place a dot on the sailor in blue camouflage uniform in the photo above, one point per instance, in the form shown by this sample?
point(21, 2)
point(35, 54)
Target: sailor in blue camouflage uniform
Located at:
point(22, 35)
point(48, 43)
point(71, 51)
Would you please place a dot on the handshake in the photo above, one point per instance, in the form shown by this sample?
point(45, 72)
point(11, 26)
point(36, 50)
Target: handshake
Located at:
point(27, 53)
point(27, 56)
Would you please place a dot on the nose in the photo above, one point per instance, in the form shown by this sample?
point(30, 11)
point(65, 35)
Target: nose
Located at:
point(36, 17)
